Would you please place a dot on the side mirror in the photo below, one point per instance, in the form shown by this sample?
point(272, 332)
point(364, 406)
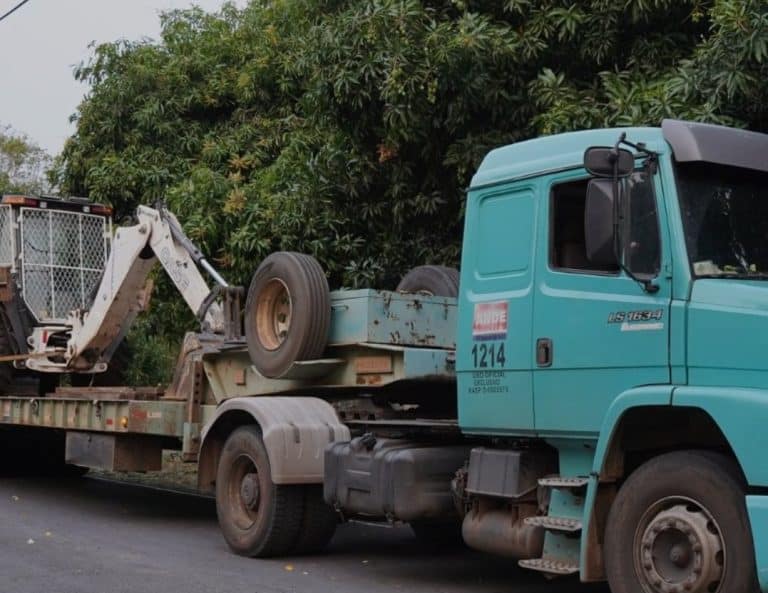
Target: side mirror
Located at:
point(600, 160)
point(599, 233)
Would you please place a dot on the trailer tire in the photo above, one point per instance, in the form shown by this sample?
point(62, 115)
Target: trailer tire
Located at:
point(431, 280)
point(318, 523)
point(287, 312)
point(679, 523)
point(257, 517)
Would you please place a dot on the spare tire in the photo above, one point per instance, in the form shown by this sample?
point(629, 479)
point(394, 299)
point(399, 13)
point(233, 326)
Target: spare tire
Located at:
point(287, 312)
point(431, 280)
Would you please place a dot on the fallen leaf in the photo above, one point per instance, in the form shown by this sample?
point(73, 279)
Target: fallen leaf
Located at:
point(289, 567)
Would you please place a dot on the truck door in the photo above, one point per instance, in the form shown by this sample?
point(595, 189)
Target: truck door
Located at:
point(493, 357)
point(596, 331)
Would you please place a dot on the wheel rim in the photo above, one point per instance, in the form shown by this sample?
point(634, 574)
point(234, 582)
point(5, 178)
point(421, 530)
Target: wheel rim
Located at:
point(244, 492)
point(679, 548)
point(273, 314)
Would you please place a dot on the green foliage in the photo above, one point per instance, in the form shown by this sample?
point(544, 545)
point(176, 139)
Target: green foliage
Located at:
point(349, 129)
point(152, 354)
point(23, 164)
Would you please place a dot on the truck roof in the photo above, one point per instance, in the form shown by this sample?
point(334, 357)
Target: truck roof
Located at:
point(552, 153)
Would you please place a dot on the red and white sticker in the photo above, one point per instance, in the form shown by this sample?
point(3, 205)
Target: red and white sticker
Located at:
point(490, 321)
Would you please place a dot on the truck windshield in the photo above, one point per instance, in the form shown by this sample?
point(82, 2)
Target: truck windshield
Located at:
point(725, 219)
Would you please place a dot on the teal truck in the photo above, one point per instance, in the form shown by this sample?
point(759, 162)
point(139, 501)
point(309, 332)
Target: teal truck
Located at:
point(589, 397)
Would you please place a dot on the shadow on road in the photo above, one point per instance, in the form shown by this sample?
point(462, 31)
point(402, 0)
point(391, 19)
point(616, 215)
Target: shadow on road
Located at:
point(388, 559)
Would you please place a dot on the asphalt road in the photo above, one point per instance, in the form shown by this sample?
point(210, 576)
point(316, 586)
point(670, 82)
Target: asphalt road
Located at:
point(92, 536)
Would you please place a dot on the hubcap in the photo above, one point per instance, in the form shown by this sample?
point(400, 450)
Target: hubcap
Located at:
point(249, 491)
point(679, 549)
point(274, 310)
point(244, 492)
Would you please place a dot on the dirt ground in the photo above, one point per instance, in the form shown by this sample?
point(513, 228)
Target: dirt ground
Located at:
point(175, 474)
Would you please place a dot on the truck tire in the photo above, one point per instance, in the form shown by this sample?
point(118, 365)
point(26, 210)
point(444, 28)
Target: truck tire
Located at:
point(431, 280)
point(257, 517)
point(318, 523)
point(287, 312)
point(679, 523)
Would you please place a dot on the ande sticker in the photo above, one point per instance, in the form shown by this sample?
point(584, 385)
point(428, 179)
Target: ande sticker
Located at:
point(490, 321)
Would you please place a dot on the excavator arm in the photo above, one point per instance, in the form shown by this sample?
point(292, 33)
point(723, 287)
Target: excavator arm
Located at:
point(125, 288)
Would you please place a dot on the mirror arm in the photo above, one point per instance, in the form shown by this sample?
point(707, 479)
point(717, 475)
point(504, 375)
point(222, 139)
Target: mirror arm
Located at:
point(618, 214)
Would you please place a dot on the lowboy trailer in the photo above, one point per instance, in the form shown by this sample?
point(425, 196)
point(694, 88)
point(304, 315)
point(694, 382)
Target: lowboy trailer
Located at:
point(591, 398)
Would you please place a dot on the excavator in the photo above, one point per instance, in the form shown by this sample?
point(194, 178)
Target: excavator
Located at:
point(70, 288)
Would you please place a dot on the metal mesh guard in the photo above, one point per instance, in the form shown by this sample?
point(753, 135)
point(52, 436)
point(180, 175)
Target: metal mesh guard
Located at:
point(62, 257)
point(6, 236)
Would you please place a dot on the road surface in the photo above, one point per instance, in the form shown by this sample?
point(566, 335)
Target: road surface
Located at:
point(93, 536)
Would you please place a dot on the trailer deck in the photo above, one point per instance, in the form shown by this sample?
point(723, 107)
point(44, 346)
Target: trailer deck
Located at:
point(378, 340)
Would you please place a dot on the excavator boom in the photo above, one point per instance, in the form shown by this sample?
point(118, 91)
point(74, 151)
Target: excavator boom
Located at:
point(125, 289)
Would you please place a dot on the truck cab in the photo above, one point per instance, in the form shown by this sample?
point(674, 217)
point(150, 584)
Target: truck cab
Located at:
point(587, 398)
point(616, 317)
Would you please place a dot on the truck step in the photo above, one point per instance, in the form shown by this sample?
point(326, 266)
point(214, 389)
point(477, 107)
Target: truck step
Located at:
point(559, 482)
point(553, 567)
point(563, 524)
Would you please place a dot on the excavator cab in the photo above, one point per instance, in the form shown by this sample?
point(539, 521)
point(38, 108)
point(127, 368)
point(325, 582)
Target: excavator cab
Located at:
point(52, 256)
point(56, 250)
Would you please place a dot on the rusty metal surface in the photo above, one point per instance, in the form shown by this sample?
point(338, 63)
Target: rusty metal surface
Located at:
point(6, 284)
point(382, 317)
point(112, 416)
point(14, 357)
point(191, 350)
point(107, 393)
point(129, 453)
point(360, 366)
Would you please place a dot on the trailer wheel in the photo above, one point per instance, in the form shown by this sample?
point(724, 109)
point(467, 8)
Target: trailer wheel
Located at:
point(287, 312)
point(257, 517)
point(431, 280)
point(679, 523)
point(318, 522)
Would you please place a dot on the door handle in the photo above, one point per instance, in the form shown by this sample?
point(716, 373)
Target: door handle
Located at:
point(544, 352)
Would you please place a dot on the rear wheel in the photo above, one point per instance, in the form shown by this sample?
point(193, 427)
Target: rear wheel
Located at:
point(679, 523)
point(257, 517)
point(287, 312)
point(318, 523)
point(431, 280)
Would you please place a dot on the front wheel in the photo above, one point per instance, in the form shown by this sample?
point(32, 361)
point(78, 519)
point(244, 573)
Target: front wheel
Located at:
point(257, 517)
point(679, 524)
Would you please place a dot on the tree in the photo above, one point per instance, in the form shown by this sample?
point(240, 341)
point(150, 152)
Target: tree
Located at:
point(23, 164)
point(350, 129)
